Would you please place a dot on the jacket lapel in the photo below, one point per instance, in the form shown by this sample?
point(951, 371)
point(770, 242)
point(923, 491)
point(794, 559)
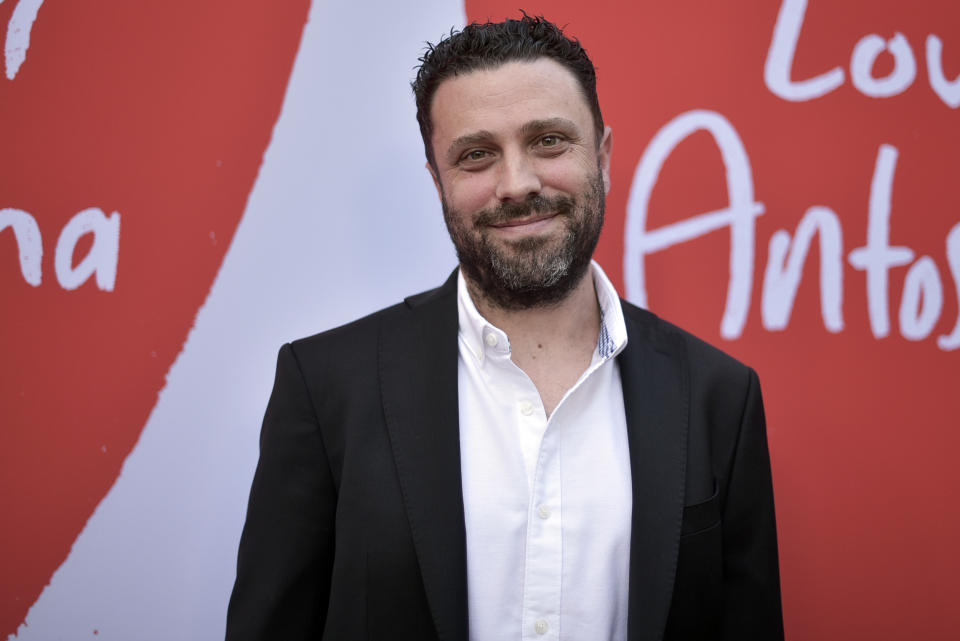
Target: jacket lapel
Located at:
point(418, 379)
point(655, 393)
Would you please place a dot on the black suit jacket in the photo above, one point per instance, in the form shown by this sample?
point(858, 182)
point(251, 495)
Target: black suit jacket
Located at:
point(355, 527)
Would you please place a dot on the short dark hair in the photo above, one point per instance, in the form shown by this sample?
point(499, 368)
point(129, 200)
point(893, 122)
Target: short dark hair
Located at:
point(492, 44)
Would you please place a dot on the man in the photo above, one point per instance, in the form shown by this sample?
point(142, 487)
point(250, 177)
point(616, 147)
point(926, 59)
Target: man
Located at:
point(516, 454)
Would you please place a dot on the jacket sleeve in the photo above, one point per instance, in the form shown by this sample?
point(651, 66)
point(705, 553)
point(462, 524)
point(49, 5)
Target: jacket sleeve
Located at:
point(286, 550)
point(752, 608)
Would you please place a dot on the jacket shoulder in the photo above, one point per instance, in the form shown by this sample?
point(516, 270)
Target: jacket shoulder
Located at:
point(350, 339)
point(702, 357)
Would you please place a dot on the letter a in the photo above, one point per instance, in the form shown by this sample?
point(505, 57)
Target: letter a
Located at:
point(740, 216)
point(102, 257)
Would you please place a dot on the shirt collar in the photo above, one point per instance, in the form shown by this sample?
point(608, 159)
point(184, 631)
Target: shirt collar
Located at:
point(480, 335)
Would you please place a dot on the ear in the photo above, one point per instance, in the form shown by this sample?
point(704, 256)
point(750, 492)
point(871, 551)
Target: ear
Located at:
point(433, 174)
point(603, 157)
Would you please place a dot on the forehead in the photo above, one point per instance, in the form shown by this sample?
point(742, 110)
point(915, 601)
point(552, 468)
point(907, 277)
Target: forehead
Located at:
point(503, 98)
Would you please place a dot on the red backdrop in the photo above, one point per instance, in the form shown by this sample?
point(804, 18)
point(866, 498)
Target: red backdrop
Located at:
point(851, 108)
point(863, 430)
point(131, 108)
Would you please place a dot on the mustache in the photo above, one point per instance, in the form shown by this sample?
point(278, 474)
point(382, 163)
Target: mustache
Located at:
point(533, 205)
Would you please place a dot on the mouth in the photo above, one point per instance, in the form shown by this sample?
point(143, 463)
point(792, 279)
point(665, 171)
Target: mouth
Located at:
point(533, 223)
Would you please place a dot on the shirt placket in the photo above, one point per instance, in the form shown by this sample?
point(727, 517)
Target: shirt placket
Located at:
point(544, 541)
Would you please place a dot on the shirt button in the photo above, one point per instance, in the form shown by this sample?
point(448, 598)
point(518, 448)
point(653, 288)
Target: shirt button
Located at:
point(526, 408)
point(543, 512)
point(491, 339)
point(541, 626)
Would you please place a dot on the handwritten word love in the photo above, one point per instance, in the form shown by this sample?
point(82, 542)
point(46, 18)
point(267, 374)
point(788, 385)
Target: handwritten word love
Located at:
point(783, 47)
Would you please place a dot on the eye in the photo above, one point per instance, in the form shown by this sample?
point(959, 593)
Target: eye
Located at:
point(551, 144)
point(475, 159)
point(550, 140)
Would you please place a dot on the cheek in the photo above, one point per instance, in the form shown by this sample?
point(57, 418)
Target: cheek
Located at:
point(570, 176)
point(472, 193)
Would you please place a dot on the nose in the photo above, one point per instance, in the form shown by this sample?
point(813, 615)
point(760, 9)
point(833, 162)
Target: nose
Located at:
point(518, 178)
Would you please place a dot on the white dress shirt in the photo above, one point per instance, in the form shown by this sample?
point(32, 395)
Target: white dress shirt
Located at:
point(547, 502)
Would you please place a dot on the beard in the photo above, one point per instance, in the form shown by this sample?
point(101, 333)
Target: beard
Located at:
point(537, 270)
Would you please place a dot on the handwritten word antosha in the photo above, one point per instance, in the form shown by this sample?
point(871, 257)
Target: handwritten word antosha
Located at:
point(922, 297)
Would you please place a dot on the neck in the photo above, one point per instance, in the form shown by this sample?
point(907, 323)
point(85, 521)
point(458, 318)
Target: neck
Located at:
point(575, 319)
point(553, 344)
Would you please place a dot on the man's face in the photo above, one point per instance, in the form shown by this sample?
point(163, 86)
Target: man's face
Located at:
point(521, 179)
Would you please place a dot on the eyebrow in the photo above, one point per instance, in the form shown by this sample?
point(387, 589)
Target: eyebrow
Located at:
point(538, 126)
point(527, 129)
point(468, 140)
